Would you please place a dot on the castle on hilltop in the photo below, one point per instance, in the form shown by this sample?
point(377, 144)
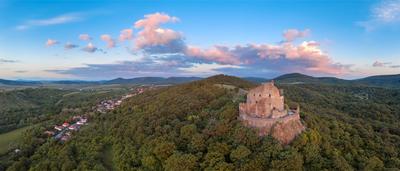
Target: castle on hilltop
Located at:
point(265, 109)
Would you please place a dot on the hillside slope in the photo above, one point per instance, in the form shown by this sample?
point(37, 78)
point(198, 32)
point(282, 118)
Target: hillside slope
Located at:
point(194, 126)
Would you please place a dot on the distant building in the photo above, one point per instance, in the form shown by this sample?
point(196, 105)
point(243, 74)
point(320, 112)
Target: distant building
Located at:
point(74, 127)
point(59, 128)
point(265, 110)
point(65, 124)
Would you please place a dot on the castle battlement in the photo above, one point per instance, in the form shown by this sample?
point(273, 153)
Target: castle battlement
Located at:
point(265, 110)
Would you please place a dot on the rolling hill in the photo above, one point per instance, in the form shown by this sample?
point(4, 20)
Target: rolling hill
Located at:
point(194, 126)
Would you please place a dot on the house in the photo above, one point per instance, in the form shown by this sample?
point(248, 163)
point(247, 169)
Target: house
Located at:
point(65, 124)
point(73, 127)
point(59, 128)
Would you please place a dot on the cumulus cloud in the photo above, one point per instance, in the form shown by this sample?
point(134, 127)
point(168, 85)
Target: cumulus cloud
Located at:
point(126, 34)
point(306, 57)
point(153, 36)
point(51, 42)
point(69, 45)
point(108, 39)
point(384, 13)
point(85, 37)
point(292, 34)
point(153, 40)
point(61, 19)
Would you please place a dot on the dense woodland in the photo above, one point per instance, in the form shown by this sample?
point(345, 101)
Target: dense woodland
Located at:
point(194, 126)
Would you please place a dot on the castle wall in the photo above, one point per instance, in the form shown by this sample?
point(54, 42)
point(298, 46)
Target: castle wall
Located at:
point(264, 110)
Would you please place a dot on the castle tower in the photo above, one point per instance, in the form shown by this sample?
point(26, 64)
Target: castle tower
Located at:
point(265, 110)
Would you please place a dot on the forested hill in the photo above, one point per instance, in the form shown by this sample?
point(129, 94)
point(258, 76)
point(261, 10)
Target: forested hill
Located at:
point(193, 126)
point(387, 81)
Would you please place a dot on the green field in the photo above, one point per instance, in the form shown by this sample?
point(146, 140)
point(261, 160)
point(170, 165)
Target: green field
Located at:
point(10, 137)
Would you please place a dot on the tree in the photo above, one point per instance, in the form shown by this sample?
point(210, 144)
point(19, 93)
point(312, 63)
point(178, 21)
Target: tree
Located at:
point(181, 162)
point(240, 153)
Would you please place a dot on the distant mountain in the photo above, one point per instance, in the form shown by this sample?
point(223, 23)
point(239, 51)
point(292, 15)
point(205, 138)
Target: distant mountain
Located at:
point(152, 80)
point(381, 81)
point(19, 83)
point(256, 79)
point(389, 81)
point(297, 78)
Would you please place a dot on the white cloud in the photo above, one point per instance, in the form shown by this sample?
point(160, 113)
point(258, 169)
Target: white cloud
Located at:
point(385, 13)
point(61, 19)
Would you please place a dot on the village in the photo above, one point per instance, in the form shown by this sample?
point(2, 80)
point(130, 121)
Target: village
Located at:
point(63, 132)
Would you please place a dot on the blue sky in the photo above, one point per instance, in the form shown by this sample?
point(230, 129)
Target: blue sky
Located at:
point(81, 39)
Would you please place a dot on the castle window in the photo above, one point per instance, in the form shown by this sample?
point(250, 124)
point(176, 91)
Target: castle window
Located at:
point(259, 95)
point(254, 95)
point(256, 101)
point(269, 95)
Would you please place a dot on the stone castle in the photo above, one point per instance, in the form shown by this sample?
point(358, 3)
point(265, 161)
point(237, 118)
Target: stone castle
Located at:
point(265, 110)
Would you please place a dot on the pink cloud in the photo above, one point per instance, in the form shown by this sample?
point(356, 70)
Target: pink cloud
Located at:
point(154, 20)
point(219, 54)
point(85, 37)
point(292, 34)
point(51, 42)
point(152, 34)
point(108, 39)
point(126, 34)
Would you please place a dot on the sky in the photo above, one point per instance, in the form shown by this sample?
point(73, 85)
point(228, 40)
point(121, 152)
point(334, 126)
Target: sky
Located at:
point(99, 40)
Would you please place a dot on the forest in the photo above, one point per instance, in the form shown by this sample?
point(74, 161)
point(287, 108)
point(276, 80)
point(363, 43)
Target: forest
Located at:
point(194, 126)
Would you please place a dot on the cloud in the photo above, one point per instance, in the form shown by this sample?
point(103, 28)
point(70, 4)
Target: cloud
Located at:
point(152, 35)
point(126, 34)
point(385, 13)
point(395, 66)
point(165, 48)
point(306, 57)
point(151, 66)
point(90, 48)
point(108, 39)
point(21, 71)
point(207, 69)
point(61, 19)
point(2, 60)
point(69, 45)
point(51, 42)
point(219, 54)
point(384, 65)
point(85, 37)
point(292, 34)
